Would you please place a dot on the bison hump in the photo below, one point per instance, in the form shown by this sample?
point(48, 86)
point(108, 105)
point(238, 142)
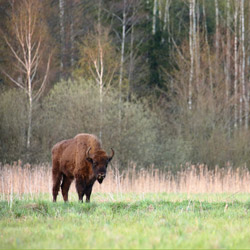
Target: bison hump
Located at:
point(88, 140)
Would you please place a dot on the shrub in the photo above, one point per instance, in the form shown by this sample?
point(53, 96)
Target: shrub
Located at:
point(13, 124)
point(73, 107)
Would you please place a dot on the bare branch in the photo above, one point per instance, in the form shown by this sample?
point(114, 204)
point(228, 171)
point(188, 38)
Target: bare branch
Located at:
point(13, 80)
point(13, 51)
point(37, 96)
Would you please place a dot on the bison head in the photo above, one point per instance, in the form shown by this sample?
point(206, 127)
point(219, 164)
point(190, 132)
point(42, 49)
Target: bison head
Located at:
point(99, 162)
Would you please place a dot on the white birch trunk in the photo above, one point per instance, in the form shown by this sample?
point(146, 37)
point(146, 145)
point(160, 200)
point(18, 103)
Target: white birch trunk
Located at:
point(243, 61)
point(30, 108)
point(160, 10)
point(72, 38)
point(62, 34)
point(101, 83)
point(166, 19)
point(131, 57)
point(208, 48)
point(29, 81)
point(101, 91)
point(236, 66)
point(197, 44)
point(217, 39)
point(241, 87)
point(122, 57)
point(228, 52)
point(154, 17)
point(191, 7)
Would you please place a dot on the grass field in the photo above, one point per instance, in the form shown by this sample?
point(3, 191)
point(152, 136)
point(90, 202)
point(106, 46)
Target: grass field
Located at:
point(128, 220)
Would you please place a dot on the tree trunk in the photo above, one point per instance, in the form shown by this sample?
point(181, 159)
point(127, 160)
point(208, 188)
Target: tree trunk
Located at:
point(191, 46)
point(217, 41)
point(29, 80)
point(131, 57)
point(154, 17)
point(197, 45)
point(122, 57)
point(101, 83)
point(72, 38)
point(166, 19)
point(243, 61)
point(62, 35)
point(208, 49)
point(228, 53)
point(236, 66)
point(29, 123)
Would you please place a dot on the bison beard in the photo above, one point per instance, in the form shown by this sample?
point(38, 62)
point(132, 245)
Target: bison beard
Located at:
point(82, 159)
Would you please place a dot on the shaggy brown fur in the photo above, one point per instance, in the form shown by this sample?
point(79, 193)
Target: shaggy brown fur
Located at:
point(81, 158)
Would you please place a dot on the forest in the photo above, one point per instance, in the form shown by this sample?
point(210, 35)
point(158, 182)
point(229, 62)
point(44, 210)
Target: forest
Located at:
point(163, 82)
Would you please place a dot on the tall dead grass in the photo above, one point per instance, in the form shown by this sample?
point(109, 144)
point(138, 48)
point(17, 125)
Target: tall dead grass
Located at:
point(21, 179)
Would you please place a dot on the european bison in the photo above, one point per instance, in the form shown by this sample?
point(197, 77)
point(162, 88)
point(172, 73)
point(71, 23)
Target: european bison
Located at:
point(81, 158)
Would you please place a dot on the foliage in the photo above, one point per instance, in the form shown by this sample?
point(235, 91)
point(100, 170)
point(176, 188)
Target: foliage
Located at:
point(158, 78)
point(73, 107)
point(13, 124)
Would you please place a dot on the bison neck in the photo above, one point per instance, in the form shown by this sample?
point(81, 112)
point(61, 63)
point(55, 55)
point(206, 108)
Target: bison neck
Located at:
point(85, 172)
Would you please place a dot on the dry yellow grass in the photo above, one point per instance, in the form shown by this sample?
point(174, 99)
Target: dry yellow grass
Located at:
point(21, 179)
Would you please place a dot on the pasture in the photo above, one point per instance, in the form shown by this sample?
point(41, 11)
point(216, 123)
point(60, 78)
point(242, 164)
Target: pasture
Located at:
point(121, 218)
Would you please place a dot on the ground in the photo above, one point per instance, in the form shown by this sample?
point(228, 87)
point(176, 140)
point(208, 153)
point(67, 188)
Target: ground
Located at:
point(127, 221)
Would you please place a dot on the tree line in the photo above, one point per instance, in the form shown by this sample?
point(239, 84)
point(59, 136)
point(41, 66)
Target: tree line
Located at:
point(164, 82)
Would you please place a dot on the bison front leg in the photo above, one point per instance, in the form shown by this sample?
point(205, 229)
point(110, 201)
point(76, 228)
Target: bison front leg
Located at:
point(65, 187)
point(88, 194)
point(80, 186)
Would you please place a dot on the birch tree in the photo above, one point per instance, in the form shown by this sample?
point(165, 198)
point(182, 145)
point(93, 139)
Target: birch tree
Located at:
point(197, 45)
point(27, 47)
point(122, 54)
point(166, 19)
point(228, 51)
point(154, 17)
point(217, 38)
point(191, 49)
point(123, 22)
point(236, 65)
point(62, 34)
point(98, 61)
point(243, 62)
point(207, 47)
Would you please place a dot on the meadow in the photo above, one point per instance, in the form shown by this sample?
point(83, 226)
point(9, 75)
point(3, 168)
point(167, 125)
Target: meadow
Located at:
point(208, 214)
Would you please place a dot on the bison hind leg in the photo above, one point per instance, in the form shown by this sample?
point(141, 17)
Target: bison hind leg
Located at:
point(65, 187)
point(57, 177)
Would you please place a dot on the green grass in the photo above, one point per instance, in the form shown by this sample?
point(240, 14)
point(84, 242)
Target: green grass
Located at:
point(127, 221)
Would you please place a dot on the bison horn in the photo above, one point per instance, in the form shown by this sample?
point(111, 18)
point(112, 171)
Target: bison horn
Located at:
point(88, 158)
point(87, 153)
point(113, 152)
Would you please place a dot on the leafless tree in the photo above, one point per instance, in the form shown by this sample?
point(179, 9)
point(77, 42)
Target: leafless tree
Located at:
point(27, 46)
